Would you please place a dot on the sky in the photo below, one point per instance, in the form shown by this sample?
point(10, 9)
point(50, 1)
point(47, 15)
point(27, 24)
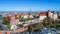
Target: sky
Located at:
point(26, 5)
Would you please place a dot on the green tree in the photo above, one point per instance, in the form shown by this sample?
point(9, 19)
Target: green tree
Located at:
point(54, 23)
point(30, 27)
point(58, 17)
point(23, 19)
point(39, 25)
point(19, 25)
point(58, 23)
point(47, 21)
point(34, 27)
point(5, 20)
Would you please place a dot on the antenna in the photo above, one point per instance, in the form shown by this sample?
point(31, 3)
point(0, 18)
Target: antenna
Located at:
point(30, 11)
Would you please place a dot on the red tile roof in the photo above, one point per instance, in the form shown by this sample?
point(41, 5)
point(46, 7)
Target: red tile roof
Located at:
point(42, 14)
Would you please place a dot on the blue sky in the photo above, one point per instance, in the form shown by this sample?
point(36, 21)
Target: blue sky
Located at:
point(26, 5)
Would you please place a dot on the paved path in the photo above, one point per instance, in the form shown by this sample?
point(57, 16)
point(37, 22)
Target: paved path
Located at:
point(33, 22)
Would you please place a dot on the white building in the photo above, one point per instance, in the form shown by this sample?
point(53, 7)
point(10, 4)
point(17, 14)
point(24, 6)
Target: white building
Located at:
point(54, 16)
point(51, 15)
point(24, 15)
point(42, 16)
point(31, 16)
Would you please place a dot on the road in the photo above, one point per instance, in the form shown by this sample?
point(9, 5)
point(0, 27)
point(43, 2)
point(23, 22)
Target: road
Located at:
point(32, 22)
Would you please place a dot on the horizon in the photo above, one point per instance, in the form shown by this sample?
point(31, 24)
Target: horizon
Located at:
point(26, 5)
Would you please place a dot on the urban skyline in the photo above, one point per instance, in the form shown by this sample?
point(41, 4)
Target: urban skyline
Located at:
point(29, 16)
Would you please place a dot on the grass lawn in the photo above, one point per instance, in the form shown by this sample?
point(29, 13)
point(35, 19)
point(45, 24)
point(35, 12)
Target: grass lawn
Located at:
point(25, 19)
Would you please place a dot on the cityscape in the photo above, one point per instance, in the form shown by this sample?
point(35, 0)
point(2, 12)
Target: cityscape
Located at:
point(29, 16)
point(19, 23)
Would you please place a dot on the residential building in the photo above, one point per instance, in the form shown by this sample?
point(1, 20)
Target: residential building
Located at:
point(52, 15)
point(31, 16)
point(13, 22)
point(55, 16)
point(42, 16)
point(24, 15)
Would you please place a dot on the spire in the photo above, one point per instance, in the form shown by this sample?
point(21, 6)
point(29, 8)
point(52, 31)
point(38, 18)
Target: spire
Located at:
point(30, 11)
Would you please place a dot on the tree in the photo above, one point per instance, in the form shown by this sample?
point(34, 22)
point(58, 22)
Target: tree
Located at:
point(39, 25)
point(54, 23)
point(30, 27)
point(34, 27)
point(47, 21)
point(23, 19)
point(58, 17)
point(6, 21)
point(58, 23)
point(19, 25)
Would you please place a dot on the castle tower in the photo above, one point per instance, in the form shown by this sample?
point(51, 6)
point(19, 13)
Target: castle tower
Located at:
point(49, 13)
